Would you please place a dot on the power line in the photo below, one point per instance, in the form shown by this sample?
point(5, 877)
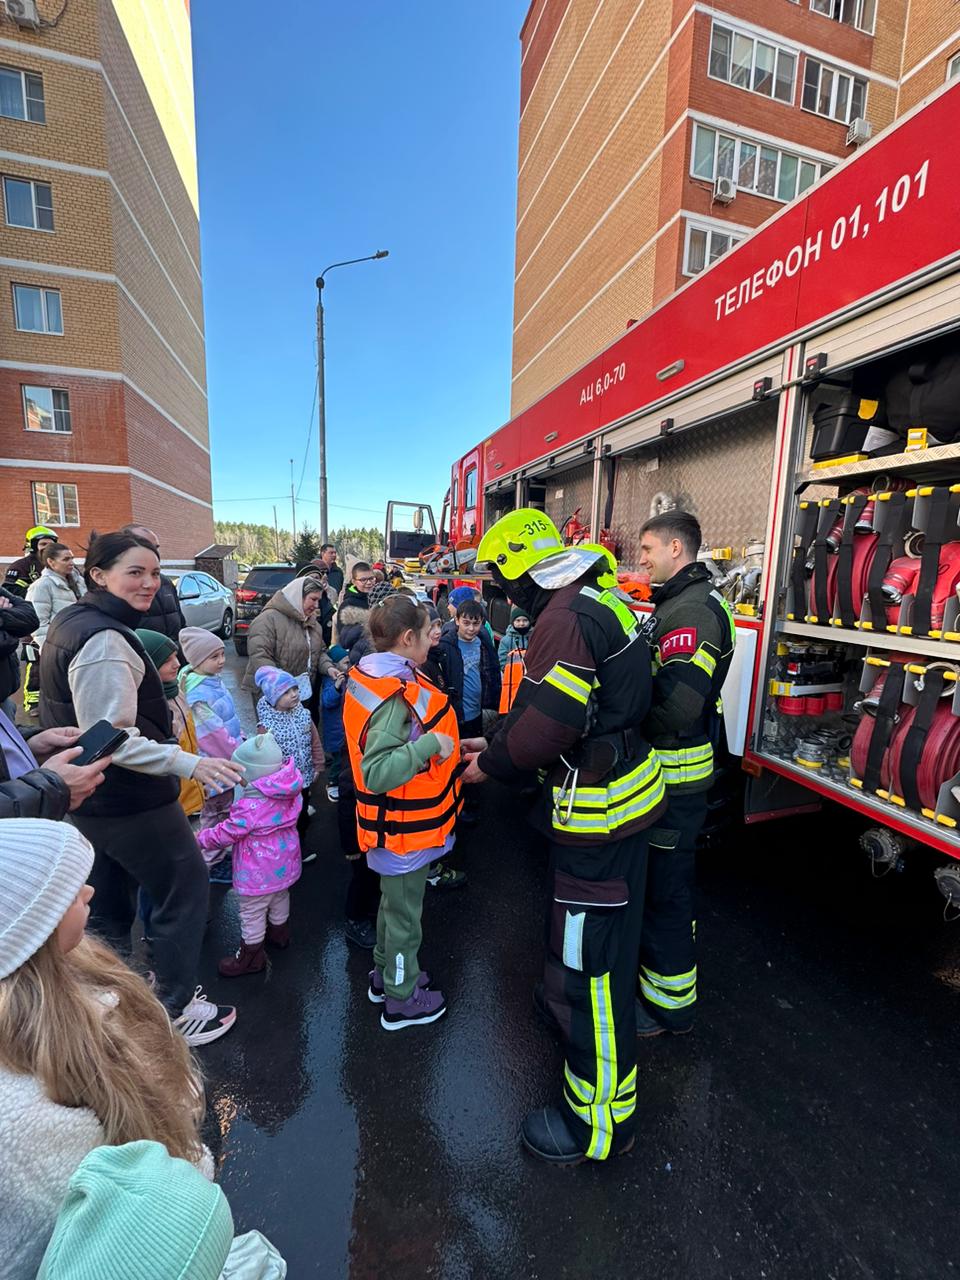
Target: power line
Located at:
point(306, 447)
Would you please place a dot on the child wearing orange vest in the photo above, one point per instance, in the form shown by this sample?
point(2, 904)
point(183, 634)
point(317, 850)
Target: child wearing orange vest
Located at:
point(404, 751)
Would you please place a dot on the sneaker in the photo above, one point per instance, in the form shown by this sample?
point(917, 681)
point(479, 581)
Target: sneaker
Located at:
point(442, 877)
point(333, 793)
point(202, 1021)
point(421, 1005)
point(376, 992)
point(361, 933)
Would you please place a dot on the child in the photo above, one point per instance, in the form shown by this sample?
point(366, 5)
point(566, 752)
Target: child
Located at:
point(512, 654)
point(266, 861)
point(214, 715)
point(280, 712)
point(87, 1057)
point(408, 797)
point(331, 702)
point(162, 652)
point(470, 667)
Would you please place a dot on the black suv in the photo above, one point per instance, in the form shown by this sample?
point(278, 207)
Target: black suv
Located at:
point(257, 588)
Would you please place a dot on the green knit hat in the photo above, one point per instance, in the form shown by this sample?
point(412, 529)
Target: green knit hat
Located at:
point(136, 1211)
point(158, 646)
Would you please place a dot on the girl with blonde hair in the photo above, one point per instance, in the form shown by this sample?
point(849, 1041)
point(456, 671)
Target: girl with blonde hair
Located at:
point(88, 1056)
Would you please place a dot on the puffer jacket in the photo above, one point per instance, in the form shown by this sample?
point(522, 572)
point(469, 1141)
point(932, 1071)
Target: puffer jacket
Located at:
point(38, 793)
point(262, 827)
point(16, 622)
point(215, 718)
point(281, 637)
point(49, 594)
point(352, 616)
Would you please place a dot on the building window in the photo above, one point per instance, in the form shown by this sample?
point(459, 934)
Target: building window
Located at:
point(21, 95)
point(37, 310)
point(752, 64)
point(28, 204)
point(828, 92)
point(46, 409)
point(861, 14)
point(704, 246)
point(766, 171)
point(953, 67)
point(55, 504)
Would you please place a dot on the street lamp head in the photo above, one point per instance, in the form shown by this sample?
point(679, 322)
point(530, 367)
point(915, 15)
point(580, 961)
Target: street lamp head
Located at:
point(382, 253)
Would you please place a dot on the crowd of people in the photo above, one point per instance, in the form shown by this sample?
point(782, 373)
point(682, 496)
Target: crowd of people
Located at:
point(403, 713)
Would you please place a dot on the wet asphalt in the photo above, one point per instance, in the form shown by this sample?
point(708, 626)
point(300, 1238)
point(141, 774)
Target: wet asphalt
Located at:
point(807, 1127)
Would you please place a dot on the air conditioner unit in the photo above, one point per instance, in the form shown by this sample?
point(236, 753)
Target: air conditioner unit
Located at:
point(724, 190)
point(860, 131)
point(24, 13)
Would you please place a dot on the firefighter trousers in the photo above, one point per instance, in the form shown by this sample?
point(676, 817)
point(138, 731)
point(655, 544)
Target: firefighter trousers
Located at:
point(596, 912)
point(667, 980)
point(31, 684)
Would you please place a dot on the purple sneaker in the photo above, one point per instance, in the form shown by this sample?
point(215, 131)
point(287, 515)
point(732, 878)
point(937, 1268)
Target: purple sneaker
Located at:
point(376, 992)
point(422, 1005)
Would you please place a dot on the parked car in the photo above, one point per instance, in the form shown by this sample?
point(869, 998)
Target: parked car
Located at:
point(258, 586)
point(207, 603)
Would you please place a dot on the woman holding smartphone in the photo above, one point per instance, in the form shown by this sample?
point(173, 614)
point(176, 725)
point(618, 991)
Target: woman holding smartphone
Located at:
point(92, 668)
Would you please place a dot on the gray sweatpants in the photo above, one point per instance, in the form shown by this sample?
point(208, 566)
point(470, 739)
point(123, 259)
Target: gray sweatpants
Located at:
point(158, 851)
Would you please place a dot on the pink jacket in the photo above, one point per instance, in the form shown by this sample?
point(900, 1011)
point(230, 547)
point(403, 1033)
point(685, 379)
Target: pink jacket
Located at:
point(262, 826)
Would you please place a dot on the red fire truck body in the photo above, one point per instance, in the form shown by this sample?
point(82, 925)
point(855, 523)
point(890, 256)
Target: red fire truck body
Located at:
point(707, 404)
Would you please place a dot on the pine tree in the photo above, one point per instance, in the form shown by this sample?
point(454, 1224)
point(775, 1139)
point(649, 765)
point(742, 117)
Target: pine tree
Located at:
point(306, 547)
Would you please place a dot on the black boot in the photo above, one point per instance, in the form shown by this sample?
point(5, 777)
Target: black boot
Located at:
point(545, 1135)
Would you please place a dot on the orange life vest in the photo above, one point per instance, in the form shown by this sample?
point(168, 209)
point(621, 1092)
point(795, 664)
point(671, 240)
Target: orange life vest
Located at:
point(423, 812)
point(513, 673)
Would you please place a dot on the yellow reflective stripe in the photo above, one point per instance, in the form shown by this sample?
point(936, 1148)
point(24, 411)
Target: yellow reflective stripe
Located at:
point(705, 661)
point(673, 982)
point(582, 1111)
point(604, 823)
point(686, 764)
point(622, 789)
point(624, 615)
point(563, 678)
point(624, 1109)
point(580, 1087)
point(628, 1085)
point(658, 997)
point(605, 1047)
point(686, 755)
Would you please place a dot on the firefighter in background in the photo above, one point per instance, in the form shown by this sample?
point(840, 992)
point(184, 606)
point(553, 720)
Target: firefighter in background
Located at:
point(577, 717)
point(20, 575)
point(694, 642)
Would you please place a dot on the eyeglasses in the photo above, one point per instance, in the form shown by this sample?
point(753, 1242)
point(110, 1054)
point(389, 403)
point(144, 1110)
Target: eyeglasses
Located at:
point(366, 582)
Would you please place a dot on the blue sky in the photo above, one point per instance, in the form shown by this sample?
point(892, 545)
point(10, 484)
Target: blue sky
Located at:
point(328, 133)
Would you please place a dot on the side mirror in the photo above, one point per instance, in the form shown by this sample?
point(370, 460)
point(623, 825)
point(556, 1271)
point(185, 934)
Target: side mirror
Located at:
point(418, 519)
point(189, 595)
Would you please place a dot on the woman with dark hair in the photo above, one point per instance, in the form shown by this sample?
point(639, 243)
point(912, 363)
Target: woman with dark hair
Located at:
point(93, 667)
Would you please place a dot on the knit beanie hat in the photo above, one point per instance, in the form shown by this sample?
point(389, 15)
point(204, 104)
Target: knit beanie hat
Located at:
point(42, 868)
point(158, 646)
point(516, 613)
point(198, 644)
point(258, 756)
point(382, 591)
point(273, 683)
point(459, 594)
point(338, 652)
point(135, 1210)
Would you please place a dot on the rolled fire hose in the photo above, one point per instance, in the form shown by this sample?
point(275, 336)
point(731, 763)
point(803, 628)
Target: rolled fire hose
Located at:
point(903, 575)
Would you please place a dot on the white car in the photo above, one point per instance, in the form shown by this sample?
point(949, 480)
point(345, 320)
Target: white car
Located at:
point(206, 603)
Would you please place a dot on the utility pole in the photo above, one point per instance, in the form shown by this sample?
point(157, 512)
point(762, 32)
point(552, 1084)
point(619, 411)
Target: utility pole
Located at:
point(293, 503)
point(321, 399)
point(276, 531)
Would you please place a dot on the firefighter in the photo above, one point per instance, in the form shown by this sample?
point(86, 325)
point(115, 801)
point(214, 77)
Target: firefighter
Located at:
point(694, 642)
point(577, 717)
point(19, 577)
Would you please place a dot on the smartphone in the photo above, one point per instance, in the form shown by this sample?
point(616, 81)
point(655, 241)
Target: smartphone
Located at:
point(100, 740)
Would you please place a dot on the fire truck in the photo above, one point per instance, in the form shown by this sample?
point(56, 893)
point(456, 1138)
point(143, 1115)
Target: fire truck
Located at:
point(802, 397)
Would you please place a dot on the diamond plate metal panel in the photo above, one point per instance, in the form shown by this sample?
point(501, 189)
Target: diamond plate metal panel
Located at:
point(720, 471)
point(569, 490)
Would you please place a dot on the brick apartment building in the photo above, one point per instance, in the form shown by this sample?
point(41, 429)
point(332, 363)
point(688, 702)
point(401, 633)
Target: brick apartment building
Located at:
point(632, 110)
point(103, 410)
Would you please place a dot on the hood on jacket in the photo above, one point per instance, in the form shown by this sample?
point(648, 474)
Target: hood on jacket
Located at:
point(291, 596)
point(282, 785)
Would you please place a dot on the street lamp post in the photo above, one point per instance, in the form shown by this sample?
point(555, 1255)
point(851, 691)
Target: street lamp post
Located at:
point(321, 399)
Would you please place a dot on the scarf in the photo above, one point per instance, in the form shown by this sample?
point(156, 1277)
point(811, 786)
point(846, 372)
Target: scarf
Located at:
point(292, 730)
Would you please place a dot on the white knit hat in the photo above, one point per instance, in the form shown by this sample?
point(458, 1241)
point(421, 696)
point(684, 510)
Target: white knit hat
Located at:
point(42, 868)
